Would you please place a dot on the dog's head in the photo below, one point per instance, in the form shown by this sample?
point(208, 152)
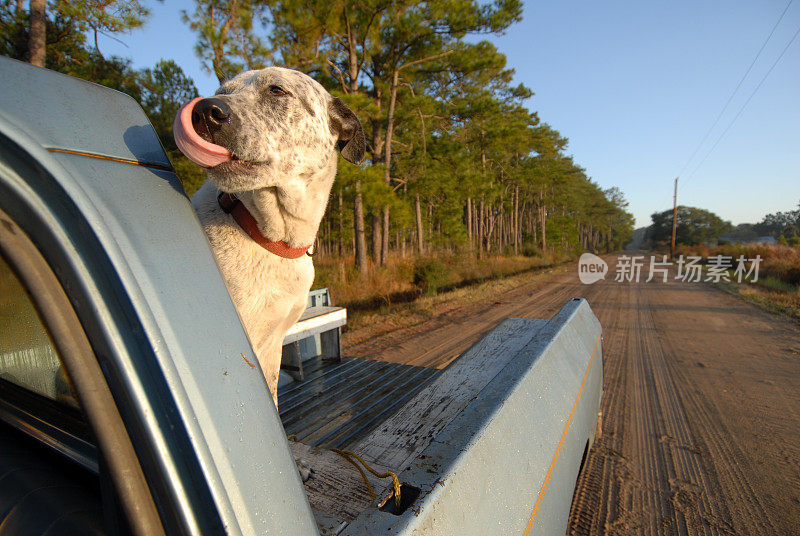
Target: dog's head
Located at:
point(267, 124)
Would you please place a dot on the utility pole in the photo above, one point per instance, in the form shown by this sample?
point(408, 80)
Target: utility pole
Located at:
point(674, 219)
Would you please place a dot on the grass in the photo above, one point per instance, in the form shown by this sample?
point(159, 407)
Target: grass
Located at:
point(783, 300)
point(410, 291)
point(404, 280)
point(777, 288)
point(778, 262)
point(776, 285)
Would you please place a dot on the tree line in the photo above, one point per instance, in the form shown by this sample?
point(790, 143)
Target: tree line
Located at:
point(455, 160)
point(693, 226)
point(780, 225)
point(699, 226)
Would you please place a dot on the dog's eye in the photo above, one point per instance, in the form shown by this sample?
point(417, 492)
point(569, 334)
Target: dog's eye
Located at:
point(276, 90)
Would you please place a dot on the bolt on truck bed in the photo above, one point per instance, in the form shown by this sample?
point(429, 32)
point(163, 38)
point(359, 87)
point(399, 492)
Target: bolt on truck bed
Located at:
point(188, 440)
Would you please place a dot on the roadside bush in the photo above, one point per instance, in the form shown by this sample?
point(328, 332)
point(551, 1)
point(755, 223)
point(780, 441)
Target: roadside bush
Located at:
point(430, 275)
point(776, 284)
point(530, 249)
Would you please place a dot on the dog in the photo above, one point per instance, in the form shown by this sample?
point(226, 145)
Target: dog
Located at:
point(269, 140)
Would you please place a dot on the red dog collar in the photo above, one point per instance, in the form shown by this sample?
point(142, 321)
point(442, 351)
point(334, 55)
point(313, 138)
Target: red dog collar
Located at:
point(231, 205)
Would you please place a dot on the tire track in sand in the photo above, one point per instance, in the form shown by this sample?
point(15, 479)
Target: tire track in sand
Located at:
point(723, 468)
point(699, 370)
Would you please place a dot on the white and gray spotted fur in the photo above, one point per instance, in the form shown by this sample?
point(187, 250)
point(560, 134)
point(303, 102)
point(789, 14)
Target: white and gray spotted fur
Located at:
point(285, 150)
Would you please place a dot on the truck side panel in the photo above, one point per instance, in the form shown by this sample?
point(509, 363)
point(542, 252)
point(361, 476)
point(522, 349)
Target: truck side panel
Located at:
point(508, 463)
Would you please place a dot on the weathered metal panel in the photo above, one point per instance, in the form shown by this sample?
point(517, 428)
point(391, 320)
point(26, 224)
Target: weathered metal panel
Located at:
point(403, 436)
point(61, 112)
point(148, 230)
point(508, 463)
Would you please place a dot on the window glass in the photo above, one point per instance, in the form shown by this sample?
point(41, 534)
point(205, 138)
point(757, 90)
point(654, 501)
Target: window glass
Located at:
point(28, 357)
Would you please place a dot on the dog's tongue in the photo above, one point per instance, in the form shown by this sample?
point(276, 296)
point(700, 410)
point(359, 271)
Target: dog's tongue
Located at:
point(196, 149)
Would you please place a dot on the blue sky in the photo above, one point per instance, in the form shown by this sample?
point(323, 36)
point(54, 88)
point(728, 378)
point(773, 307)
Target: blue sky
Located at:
point(635, 86)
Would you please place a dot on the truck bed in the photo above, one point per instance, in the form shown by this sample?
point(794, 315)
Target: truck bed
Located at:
point(339, 403)
point(423, 424)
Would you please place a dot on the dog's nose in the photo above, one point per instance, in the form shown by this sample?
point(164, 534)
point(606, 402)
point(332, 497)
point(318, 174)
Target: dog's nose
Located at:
point(209, 115)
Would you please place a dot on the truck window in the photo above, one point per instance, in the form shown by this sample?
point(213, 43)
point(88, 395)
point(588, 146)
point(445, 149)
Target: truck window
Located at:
point(67, 465)
point(28, 357)
point(46, 493)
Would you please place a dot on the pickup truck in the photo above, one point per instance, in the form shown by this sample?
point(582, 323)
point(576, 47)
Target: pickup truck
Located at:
point(129, 398)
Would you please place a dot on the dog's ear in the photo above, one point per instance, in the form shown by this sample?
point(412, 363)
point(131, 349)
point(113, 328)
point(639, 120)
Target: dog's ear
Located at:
point(345, 124)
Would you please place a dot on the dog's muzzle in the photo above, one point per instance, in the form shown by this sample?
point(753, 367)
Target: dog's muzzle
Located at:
point(208, 115)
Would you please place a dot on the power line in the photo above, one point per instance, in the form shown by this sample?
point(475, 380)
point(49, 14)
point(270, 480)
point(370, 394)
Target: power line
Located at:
point(736, 90)
point(789, 44)
point(730, 99)
point(733, 94)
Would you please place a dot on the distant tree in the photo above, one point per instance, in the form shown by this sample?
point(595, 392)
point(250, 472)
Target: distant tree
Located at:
point(620, 221)
point(37, 38)
point(67, 51)
point(226, 40)
point(103, 17)
point(638, 238)
point(742, 233)
point(779, 224)
point(165, 88)
point(694, 226)
point(97, 17)
point(65, 44)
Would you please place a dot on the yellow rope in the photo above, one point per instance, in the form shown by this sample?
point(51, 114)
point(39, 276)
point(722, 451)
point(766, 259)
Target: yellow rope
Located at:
point(396, 481)
point(355, 464)
point(292, 437)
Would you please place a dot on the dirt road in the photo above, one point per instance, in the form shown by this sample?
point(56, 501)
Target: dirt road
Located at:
point(701, 405)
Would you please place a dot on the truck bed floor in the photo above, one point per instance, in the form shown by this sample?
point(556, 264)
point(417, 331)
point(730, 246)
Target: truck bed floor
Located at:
point(341, 402)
